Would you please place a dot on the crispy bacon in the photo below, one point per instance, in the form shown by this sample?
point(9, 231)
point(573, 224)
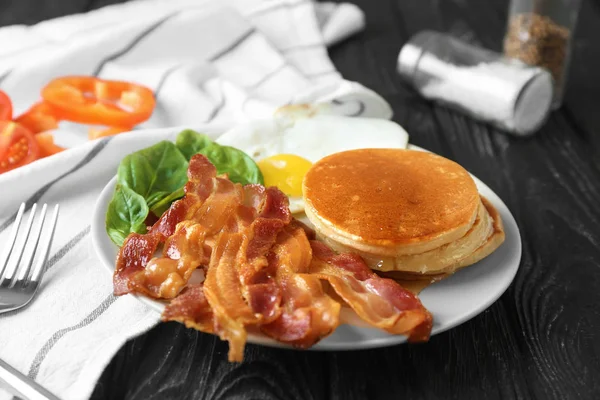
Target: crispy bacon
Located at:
point(166, 224)
point(131, 261)
point(201, 174)
point(239, 285)
point(379, 301)
point(200, 186)
point(192, 309)
point(310, 232)
point(222, 288)
point(308, 313)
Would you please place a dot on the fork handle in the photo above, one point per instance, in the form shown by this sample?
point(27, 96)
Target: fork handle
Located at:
point(21, 385)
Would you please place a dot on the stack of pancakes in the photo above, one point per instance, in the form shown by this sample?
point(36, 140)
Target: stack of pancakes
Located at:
point(409, 214)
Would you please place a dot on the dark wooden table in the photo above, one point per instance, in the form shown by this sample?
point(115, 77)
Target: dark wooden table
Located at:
point(541, 340)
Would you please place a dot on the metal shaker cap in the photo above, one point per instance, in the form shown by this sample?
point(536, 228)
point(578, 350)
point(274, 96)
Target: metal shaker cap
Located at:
point(485, 85)
point(411, 52)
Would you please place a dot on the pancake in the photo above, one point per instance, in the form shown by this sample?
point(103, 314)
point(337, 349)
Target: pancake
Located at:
point(492, 242)
point(390, 202)
point(433, 261)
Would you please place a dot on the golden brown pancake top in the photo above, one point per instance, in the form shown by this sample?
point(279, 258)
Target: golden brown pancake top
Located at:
point(391, 196)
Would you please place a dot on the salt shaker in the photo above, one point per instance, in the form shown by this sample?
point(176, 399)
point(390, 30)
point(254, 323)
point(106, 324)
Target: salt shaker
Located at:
point(507, 93)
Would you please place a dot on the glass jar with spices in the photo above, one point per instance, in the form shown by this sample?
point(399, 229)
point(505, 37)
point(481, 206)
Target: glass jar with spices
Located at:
point(540, 32)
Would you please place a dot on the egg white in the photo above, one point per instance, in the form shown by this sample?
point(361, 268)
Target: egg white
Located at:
point(296, 204)
point(313, 138)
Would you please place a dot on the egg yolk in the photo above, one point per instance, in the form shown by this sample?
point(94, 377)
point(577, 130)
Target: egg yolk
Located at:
point(286, 171)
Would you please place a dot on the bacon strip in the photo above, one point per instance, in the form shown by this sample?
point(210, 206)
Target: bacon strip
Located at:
point(238, 285)
point(379, 301)
point(308, 313)
point(131, 261)
point(223, 291)
point(192, 309)
point(200, 186)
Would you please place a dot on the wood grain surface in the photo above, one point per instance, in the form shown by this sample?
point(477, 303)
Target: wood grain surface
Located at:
point(541, 340)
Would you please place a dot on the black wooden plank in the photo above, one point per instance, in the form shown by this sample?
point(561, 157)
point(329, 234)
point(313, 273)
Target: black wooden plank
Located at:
point(581, 97)
point(30, 12)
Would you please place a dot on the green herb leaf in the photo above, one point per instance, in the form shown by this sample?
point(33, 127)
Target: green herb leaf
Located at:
point(190, 142)
point(237, 164)
point(126, 213)
point(163, 205)
point(155, 172)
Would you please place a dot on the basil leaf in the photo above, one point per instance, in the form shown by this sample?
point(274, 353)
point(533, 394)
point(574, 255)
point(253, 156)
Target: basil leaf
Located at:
point(190, 142)
point(237, 164)
point(163, 205)
point(127, 212)
point(154, 172)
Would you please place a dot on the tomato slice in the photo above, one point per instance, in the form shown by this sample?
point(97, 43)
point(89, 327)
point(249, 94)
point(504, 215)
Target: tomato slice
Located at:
point(90, 100)
point(39, 118)
point(6, 109)
point(18, 147)
point(95, 133)
point(45, 141)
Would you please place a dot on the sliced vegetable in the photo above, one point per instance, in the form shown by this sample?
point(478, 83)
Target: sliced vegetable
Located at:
point(190, 142)
point(6, 109)
point(95, 133)
point(18, 147)
point(154, 172)
point(235, 163)
point(90, 100)
point(126, 213)
point(39, 118)
point(45, 141)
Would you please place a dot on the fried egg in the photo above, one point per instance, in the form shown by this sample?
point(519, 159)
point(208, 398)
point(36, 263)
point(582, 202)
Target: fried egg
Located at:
point(286, 171)
point(285, 151)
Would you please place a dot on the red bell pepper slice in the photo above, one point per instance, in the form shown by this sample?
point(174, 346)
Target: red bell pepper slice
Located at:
point(45, 141)
point(95, 133)
point(90, 100)
point(6, 109)
point(39, 118)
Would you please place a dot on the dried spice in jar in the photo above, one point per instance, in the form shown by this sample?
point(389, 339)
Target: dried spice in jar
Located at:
point(539, 33)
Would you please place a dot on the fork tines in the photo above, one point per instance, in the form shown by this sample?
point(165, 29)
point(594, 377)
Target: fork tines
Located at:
point(17, 260)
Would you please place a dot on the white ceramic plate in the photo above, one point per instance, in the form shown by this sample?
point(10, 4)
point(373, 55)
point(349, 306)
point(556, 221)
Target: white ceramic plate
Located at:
point(452, 301)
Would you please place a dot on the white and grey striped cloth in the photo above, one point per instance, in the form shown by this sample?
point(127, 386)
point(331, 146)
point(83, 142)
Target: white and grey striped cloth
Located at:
point(210, 66)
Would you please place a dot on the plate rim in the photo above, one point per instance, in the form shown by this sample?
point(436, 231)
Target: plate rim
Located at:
point(100, 238)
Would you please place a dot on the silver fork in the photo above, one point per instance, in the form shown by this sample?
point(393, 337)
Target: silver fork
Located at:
point(19, 282)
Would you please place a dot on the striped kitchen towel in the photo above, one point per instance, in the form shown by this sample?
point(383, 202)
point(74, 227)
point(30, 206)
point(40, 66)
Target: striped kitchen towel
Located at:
point(211, 64)
point(204, 61)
